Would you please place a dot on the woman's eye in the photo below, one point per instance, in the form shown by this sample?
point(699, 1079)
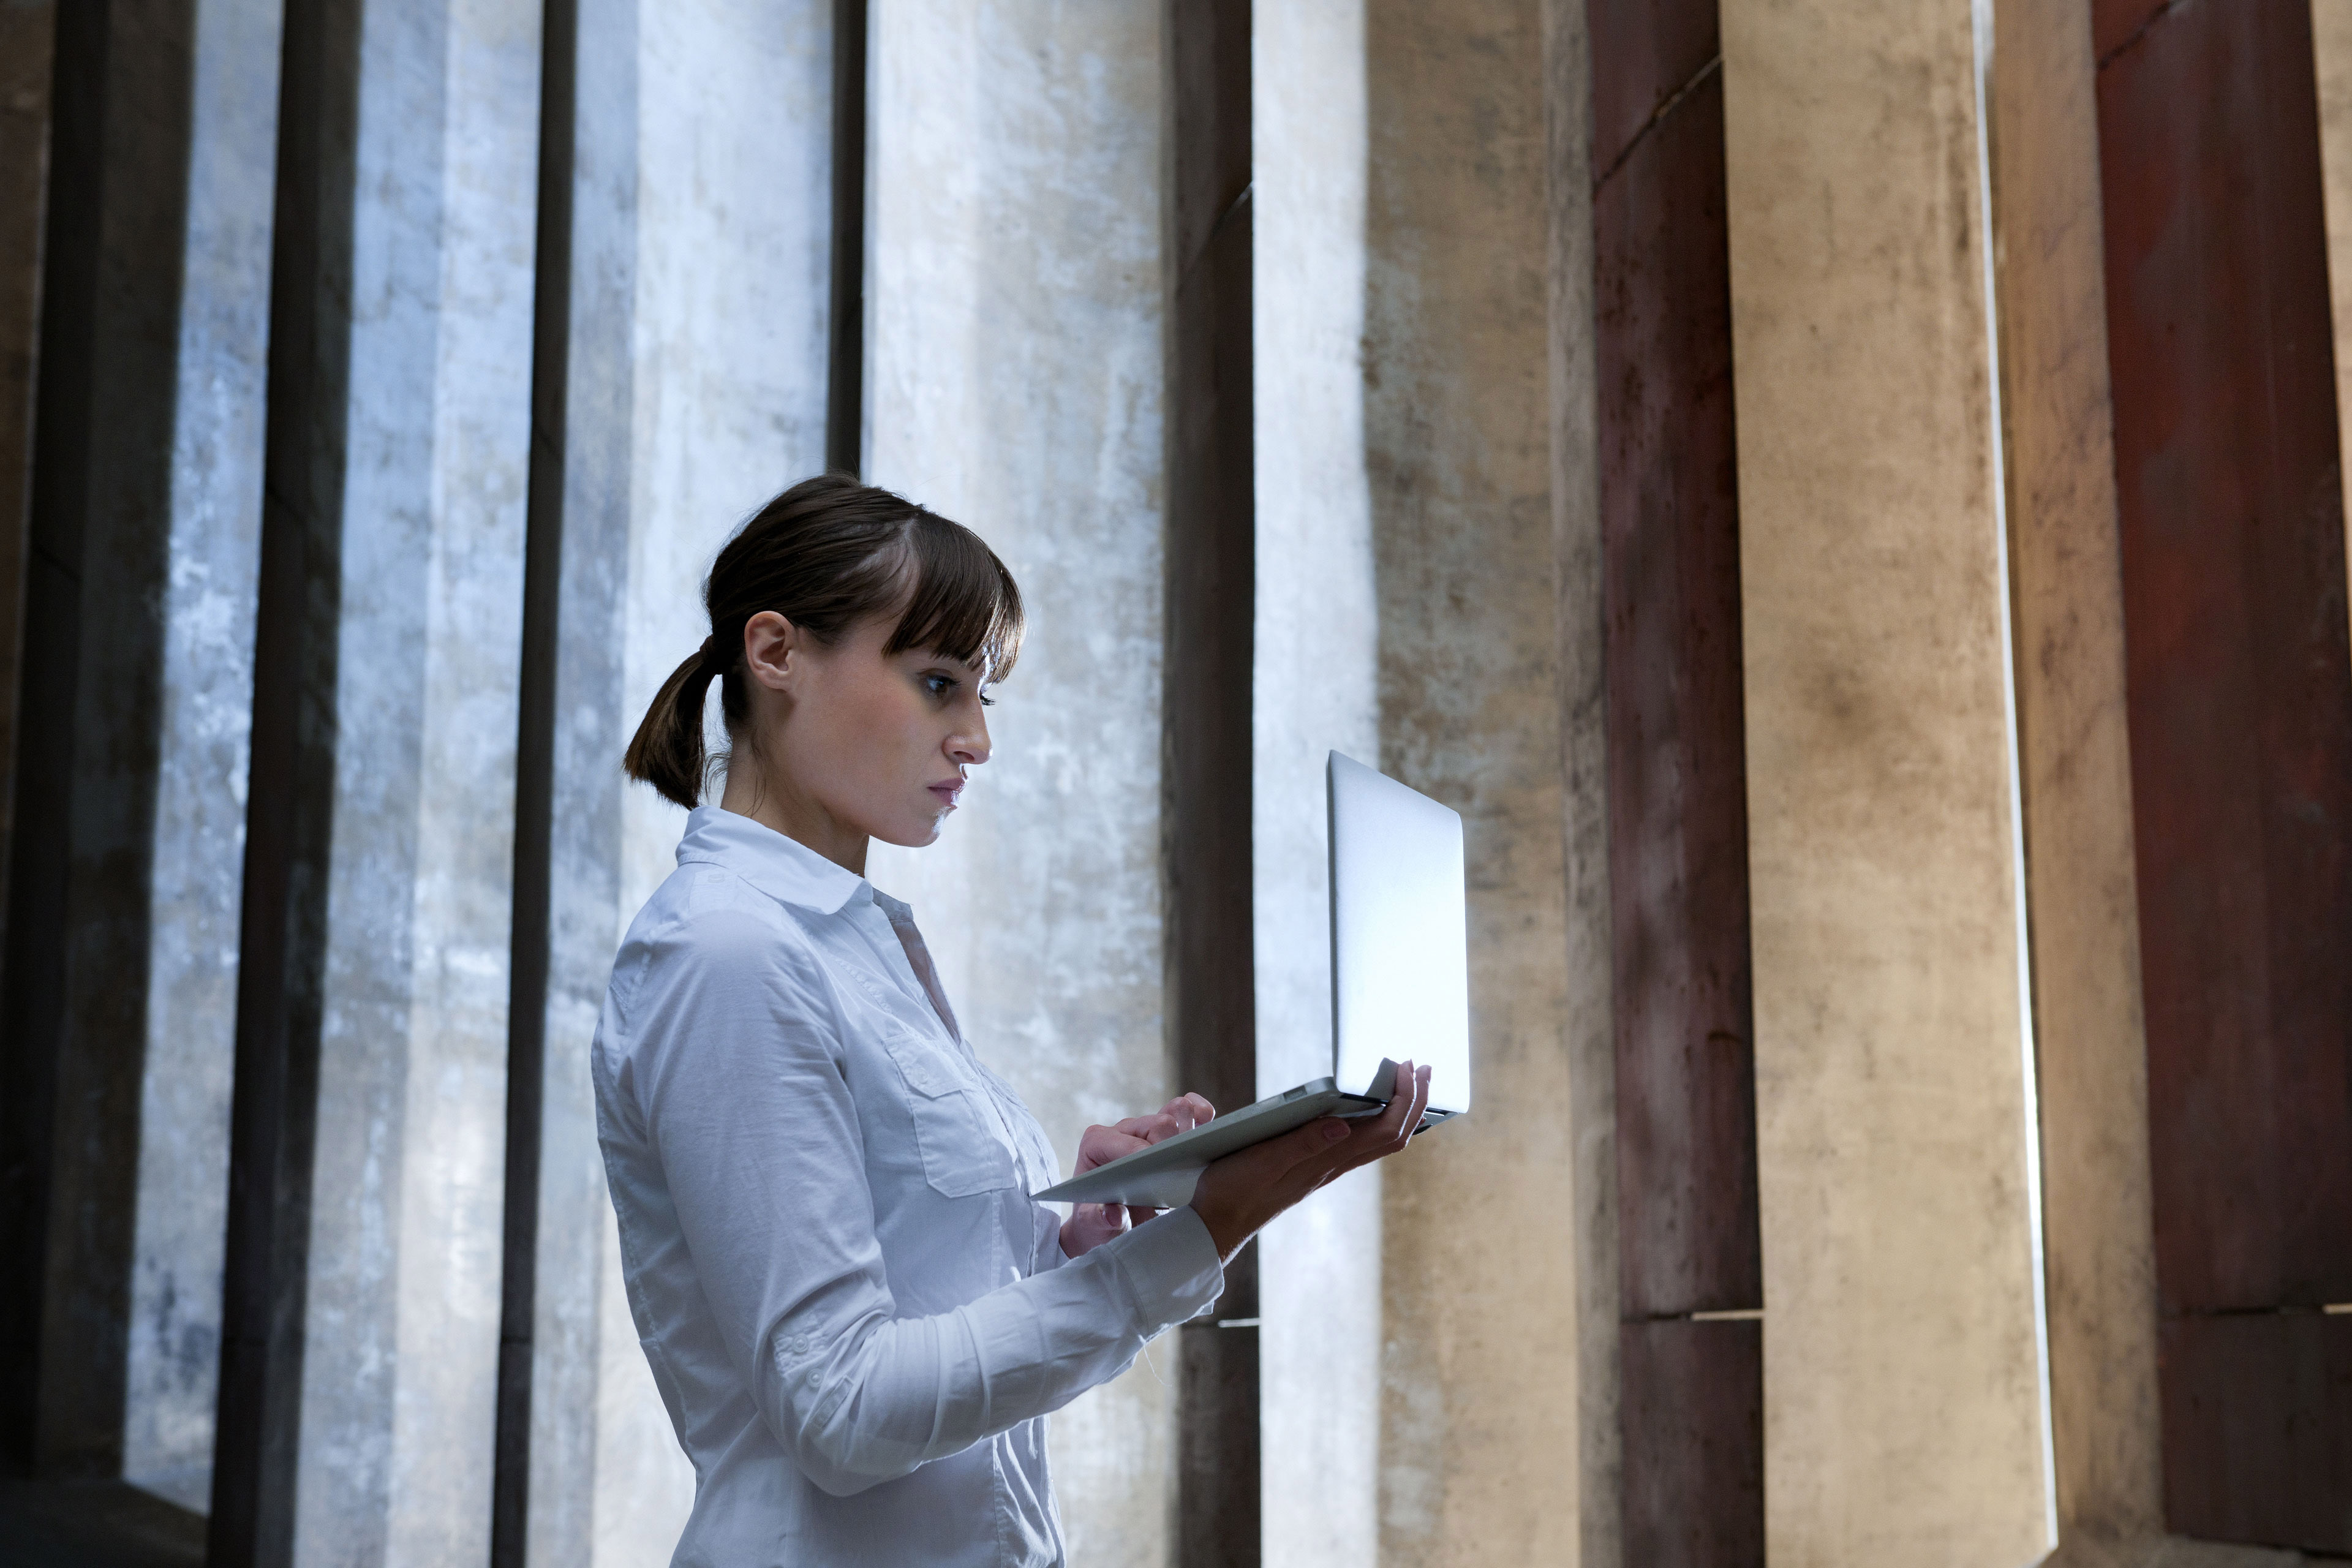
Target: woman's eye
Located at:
point(986, 700)
point(938, 685)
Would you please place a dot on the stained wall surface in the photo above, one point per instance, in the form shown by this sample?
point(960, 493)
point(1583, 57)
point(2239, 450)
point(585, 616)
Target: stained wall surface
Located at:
point(1480, 1335)
point(402, 1323)
point(208, 609)
point(1314, 626)
point(2075, 773)
point(26, 34)
point(1894, 1095)
point(1014, 309)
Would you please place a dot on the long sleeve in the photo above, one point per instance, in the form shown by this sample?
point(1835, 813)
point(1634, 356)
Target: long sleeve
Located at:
point(739, 1081)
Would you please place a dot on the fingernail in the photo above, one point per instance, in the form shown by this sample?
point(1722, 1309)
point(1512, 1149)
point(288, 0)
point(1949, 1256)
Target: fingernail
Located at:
point(1334, 1131)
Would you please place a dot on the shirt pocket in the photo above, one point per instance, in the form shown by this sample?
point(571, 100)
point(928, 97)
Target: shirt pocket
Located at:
point(961, 1157)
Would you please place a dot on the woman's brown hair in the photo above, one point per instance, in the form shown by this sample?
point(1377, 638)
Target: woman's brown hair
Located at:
point(828, 553)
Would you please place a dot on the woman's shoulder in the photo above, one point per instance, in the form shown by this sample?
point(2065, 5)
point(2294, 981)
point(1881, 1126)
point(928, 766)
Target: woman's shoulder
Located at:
point(704, 919)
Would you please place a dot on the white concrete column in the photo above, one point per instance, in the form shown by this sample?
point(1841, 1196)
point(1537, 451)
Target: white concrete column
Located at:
point(1015, 313)
point(695, 391)
point(400, 1359)
point(207, 687)
point(1317, 627)
point(1905, 1405)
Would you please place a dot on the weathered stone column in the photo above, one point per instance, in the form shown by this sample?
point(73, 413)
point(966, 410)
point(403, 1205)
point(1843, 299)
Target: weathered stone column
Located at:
point(1904, 1412)
point(2075, 772)
point(145, 514)
point(26, 37)
point(1481, 1427)
point(401, 1342)
point(2331, 38)
point(1317, 627)
point(1015, 311)
point(206, 690)
point(695, 390)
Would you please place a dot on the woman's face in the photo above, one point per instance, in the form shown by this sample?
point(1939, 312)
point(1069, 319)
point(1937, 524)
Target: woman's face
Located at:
point(854, 742)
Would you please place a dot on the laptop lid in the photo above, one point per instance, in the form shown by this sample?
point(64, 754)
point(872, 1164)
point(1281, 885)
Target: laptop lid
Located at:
point(1399, 935)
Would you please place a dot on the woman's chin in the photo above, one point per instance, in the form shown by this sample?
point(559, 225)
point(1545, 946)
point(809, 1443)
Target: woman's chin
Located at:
point(915, 835)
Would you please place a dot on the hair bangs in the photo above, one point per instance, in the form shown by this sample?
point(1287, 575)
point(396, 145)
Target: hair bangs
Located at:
point(964, 605)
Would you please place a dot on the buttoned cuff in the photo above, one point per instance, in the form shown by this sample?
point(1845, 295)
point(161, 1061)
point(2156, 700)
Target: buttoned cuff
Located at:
point(1171, 1265)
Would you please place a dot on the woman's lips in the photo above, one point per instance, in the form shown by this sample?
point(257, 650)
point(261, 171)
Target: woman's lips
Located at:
point(947, 791)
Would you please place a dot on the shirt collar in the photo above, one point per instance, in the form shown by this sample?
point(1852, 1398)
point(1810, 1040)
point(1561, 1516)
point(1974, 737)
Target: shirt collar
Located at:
point(780, 867)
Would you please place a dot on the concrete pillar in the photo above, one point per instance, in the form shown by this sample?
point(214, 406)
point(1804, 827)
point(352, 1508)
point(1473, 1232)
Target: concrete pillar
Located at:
point(695, 391)
point(1906, 1418)
point(137, 670)
point(2331, 38)
point(212, 556)
point(2075, 767)
point(400, 1346)
point(1014, 308)
point(1476, 608)
point(26, 34)
point(1317, 627)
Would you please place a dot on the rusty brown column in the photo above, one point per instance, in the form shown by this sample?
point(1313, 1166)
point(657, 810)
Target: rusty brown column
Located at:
point(2239, 698)
point(1205, 763)
point(1691, 1341)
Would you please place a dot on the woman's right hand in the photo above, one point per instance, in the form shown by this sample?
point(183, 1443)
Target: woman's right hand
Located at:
point(1237, 1195)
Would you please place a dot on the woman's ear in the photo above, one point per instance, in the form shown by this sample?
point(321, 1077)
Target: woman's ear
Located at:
point(774, 652)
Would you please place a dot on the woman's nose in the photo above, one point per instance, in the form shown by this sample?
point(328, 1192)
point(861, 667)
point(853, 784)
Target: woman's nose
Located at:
point(969, 748)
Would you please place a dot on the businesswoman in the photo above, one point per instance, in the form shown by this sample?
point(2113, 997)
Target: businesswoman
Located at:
point(856, 1315)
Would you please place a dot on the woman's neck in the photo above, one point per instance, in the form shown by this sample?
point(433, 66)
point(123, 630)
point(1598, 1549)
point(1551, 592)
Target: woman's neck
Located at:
point(772, 803)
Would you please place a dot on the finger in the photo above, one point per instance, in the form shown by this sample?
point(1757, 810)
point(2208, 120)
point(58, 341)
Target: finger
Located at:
point(1151, 1129)
point(1384, 1134)
point(1101, 1146)
point(1192, 1110)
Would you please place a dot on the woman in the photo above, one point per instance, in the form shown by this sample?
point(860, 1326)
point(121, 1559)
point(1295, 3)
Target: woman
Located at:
point(856, 1315)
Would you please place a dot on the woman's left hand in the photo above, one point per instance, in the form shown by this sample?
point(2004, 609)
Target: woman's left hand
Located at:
point(1091, 1224)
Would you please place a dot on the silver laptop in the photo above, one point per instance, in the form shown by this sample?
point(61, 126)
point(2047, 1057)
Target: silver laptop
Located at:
point(1399, 988)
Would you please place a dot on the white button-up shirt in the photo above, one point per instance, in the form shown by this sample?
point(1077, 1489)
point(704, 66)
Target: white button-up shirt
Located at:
point(856, 1316)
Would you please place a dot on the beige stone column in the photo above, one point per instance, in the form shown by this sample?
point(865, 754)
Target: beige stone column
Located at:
point(1483, 1327)
point(2076, 768)
point(1015, 313)
point(1904, 1412)
point(2331, 40)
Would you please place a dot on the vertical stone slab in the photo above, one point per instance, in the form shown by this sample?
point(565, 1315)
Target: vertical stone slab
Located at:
point(2075, 763)
point(1479, 1339)
point(401, 1354)
point(93, 675)
point(2229, 482)
point(208, 605)
point(1692, 1276)
point(1595, 1470)
point(289, 797)
point(1209, 571)
point(27, 39)
point(1315, 629)
point(1014, 374)
point(2331, 48)
point(1894, 1103)
point(695, 389)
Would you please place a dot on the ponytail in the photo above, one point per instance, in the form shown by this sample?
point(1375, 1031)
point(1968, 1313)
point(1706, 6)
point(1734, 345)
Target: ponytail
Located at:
point(828, 554)
point(668, 751)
